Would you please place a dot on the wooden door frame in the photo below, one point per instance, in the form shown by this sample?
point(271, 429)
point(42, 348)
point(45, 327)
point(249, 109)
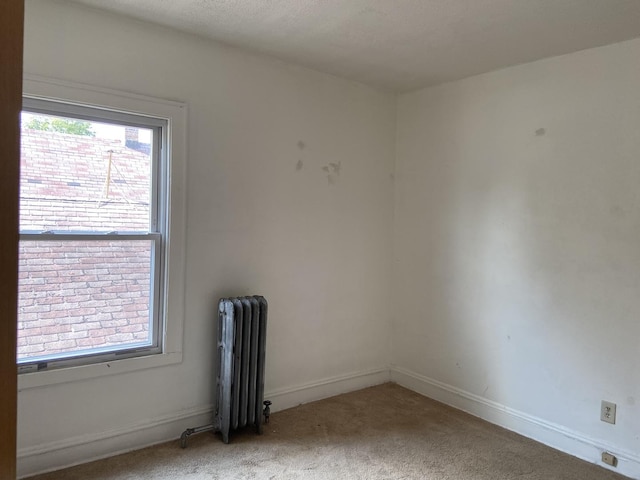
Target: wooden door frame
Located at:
point(11, 47)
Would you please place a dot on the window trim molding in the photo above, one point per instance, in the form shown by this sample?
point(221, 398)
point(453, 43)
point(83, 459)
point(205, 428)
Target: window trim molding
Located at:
point(175, 254)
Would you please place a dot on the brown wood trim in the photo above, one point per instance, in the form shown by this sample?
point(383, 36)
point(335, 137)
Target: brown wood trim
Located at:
point(11, 39)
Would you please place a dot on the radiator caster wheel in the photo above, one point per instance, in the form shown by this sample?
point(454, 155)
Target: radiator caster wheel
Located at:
point(267, 410)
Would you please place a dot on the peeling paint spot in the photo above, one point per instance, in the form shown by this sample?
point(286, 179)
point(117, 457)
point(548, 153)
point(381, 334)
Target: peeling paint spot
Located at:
point(485, 391)
point(299, 165)
point(540, 132)
point(333, 171)
point(301, 145)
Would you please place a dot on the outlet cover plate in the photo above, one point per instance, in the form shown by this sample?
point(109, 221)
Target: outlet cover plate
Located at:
point(609, 459)
point(608, 412)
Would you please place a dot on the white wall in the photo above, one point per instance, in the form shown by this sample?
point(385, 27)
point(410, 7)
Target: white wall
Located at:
point(517, 248)
point(319, 249)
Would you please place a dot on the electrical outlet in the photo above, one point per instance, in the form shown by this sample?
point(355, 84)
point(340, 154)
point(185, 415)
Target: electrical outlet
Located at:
point(609, 459)
point(608, 412)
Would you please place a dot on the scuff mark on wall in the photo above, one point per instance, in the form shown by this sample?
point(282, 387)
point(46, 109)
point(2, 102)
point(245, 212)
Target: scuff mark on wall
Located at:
point(301, 146)
point(617, 211)
point(540, 132)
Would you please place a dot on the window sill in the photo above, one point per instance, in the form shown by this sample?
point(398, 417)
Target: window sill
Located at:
point(84, 372)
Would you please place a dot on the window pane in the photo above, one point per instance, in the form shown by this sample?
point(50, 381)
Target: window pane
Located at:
point(83, 296)
point(78, 175)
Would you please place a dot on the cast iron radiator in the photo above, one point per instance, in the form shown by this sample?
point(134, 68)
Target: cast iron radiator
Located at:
point(242, 329)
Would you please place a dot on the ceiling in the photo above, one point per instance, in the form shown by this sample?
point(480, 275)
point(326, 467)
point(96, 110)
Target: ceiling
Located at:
point(399, 45)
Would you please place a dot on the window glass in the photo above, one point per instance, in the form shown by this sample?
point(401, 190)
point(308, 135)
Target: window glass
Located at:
point(82, 296)
point(78, 175)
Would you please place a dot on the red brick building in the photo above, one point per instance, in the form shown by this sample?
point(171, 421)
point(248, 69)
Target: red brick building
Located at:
point(79, 295)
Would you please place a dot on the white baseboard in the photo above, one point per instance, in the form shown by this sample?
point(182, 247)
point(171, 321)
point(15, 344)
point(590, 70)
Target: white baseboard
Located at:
point(328, 387)
point(86, 448)
point(553, 435)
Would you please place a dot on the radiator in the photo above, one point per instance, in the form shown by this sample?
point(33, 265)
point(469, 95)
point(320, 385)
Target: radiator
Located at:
point(239, 397)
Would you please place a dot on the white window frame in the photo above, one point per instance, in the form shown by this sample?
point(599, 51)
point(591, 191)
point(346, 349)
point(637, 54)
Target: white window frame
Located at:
point(170, 298)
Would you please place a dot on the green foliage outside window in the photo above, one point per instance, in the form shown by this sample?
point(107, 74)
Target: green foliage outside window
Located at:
point(61, 125)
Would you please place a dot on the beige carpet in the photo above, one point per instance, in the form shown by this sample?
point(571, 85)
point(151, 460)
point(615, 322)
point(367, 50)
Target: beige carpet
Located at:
point(384, 432)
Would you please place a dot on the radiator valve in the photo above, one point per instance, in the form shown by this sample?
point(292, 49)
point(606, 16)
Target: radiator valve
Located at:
point(267, 410)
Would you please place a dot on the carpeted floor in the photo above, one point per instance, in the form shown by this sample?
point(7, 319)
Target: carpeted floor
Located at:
point(383, 432)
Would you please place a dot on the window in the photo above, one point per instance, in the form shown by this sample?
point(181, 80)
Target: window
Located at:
point(94, 230)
